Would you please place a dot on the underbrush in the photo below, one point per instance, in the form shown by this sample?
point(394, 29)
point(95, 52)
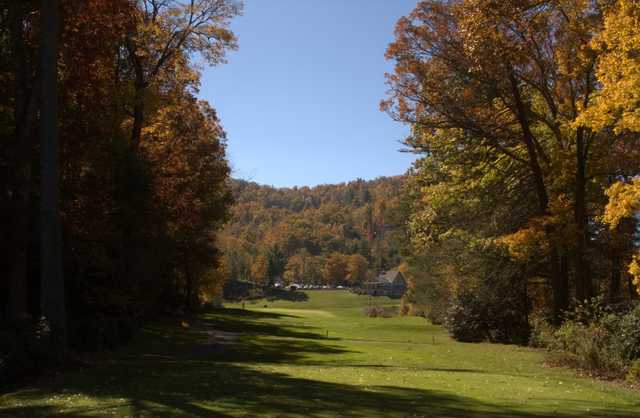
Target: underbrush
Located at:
point(378, 312)
point(594, 339)
point(26, 347)
point(481, 315)
point(30, 347)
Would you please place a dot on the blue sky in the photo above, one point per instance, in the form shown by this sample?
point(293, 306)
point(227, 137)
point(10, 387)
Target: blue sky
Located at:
point(299, 99)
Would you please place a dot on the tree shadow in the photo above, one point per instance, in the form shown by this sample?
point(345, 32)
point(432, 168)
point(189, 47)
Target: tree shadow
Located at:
point(214, 389)
point(273, 294)
point(168, 378)
point(254, 325)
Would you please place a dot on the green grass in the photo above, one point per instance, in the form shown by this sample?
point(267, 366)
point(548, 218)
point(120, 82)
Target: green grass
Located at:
point(317, 358)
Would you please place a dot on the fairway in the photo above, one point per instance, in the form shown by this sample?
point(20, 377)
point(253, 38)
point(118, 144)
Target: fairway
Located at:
point(317, 358)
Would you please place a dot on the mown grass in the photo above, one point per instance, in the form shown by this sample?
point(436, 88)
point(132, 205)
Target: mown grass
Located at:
point(317, 358)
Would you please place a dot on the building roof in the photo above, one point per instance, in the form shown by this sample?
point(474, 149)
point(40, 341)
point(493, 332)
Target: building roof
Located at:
point(388, 277)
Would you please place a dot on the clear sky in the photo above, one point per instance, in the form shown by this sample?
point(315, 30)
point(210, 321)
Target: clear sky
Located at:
point(300, 98)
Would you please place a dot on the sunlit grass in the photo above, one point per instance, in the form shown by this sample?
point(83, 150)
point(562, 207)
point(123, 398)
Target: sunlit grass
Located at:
point(321, 358)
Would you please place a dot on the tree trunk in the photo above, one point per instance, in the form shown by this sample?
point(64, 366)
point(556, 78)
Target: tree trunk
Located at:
point(557, 263)
point(583, 279)
point(53, 301)
point(633, 293)
point(18, 198)
point(188, 302)
point(138, 113)
point(559, 284)
point(614, 283)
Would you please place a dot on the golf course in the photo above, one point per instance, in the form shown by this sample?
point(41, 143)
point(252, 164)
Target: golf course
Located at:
point(317, 357)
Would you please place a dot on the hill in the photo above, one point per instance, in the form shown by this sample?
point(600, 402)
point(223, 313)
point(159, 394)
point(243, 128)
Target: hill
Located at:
point(333, 234)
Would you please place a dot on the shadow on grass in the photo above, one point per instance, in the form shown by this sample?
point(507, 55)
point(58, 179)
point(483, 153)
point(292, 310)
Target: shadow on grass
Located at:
point(252, 323)
point(161, 379)
point(273, 294)
point(214, 389)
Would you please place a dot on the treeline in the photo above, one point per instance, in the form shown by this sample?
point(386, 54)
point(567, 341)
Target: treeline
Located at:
point(142, 167)
point(524, 203)
point(329, 234)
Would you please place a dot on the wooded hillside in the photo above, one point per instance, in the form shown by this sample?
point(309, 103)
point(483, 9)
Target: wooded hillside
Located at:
point(334, 234)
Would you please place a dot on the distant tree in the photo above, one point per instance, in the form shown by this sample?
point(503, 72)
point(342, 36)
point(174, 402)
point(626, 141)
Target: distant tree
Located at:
point(260, 270)
point(334, 271)
point(357, 267)
point(276, 264)
point(295, 269)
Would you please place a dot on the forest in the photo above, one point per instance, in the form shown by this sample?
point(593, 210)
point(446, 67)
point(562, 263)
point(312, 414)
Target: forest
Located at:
point(516, 225)
point(522, 218)
point(325, 235)
point(113, 173)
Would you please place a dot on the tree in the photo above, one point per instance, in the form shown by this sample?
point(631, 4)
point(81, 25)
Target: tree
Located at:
point(334, 271)
point(617, 106)
point(277, 263)
point(505, 83)
point(20, 106)
point(165, 33)
point(357, 267)
point(53, 293)
point(618, 69)
point(114, 201)
point(260, 269)
point(295, 269)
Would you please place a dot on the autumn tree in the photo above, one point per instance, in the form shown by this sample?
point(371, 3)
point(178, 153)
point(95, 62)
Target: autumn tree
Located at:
point(616, 109)
point(357, 268)
point(306, 224)
point(164, 33)
point(505, 82)
point(334, 271)
point(260, 270)
point(139, 226)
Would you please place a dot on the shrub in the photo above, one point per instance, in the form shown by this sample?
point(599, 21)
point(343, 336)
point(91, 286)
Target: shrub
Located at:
point(99, 333)
point(376, 312)
point(405, 307)
point(477, 315)
point(541, 335)
point(595, 339)
point(633, 375)
point(26, 348)
point(466, 320)
point(629, 335)
point(583, 346)
point(417, 309)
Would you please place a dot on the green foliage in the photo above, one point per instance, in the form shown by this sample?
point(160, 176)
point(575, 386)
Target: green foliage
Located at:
point(584, 346)
point(542, 333)
point(595, 339)
point(633, 375)
point(510, 189)
point(486, 315)
point(629, 334)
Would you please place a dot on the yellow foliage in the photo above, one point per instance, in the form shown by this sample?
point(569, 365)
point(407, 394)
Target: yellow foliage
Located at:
point(624, 202)
point(533, 241)
point(634, 270)
point(618, 70)
point(526, 243)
